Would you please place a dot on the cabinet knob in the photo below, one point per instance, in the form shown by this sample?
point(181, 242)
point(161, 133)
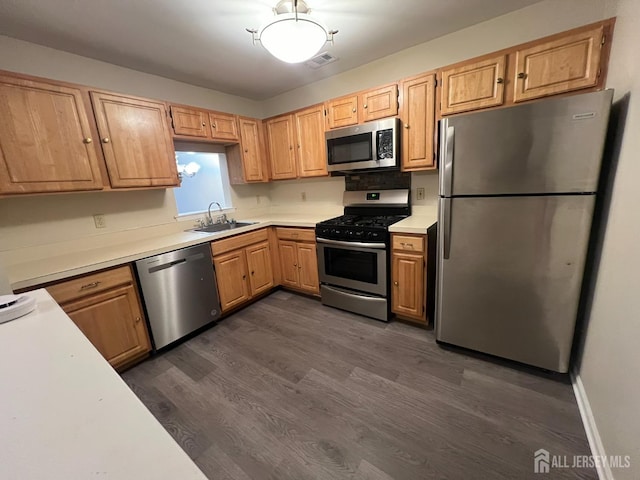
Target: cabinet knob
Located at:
point(87, 140)
point(395, 283)
point(299, 267)
point(290, 147)
point(105, 140)
point(214, 125)
point(244, 277)
point(354, 110)
point(365, 105)
point(295, 264)
point(500, 80)
point(406, 125)
point(253, 272)
point(138, 319)
point(522, 75)
point(246, 150)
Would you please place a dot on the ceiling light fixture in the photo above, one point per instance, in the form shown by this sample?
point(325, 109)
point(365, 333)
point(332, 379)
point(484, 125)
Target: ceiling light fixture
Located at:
point(292, 36)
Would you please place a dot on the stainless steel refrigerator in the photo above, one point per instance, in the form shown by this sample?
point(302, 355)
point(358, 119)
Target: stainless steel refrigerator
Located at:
point(517, 193)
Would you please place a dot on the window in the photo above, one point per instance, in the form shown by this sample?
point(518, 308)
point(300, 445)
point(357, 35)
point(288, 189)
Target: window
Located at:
point(204, 180)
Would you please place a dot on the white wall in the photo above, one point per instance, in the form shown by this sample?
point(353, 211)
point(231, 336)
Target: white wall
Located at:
point(538, 20)
point(609, 366)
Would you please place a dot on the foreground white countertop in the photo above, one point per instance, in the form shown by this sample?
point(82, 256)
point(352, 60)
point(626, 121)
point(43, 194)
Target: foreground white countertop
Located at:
point(65, 413)
point(63, 263)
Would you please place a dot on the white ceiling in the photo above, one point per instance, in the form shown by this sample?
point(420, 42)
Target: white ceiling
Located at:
point(204, 42)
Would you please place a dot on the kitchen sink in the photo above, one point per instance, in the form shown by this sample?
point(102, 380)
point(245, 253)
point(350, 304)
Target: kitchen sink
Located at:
point(221, 227)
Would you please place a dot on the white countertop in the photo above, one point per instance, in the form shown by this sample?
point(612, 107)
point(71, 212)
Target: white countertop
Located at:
point(65, 413)
point(66, 263)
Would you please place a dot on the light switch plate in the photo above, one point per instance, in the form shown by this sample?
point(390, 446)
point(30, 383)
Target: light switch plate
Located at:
point(99, 220)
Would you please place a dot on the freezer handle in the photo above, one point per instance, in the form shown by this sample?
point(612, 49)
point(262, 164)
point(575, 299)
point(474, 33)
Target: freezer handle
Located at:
point(446, 227)
point(446, 169)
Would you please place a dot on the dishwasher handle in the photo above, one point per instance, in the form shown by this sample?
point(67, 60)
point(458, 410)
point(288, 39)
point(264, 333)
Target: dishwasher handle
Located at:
point(173, 263)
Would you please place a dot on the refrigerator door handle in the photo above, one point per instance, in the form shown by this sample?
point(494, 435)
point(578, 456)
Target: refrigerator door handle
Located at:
point(446, 176)
point(446, 227)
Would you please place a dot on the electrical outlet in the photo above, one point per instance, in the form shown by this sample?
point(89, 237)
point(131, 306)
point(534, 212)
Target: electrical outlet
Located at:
point(303, 195)
point(99, 220)
point(420, 193)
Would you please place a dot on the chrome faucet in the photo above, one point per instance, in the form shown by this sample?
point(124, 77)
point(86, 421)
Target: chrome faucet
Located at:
point(221, 219)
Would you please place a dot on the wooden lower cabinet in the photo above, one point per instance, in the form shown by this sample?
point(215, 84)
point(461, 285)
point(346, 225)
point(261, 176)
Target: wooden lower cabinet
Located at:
point(231, 277)
point(408, 277)
point(298, 260)
point(243, 266)
point(106, 308)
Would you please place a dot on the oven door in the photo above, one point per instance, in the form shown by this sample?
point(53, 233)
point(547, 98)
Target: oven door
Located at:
point(356, 265)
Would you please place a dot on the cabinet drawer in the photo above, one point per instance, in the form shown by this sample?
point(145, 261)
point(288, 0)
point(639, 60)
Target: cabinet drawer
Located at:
point(301, 234)
point(239, 241)
point(90, 284)
point(408, 243)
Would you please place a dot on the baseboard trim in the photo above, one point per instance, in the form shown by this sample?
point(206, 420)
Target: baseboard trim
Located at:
point(590, 427)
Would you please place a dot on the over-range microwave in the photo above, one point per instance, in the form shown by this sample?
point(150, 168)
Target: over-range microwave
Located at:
point(364, 147)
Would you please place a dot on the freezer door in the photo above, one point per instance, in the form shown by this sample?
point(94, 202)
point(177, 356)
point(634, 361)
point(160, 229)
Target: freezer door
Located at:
point(509, 275)
point(549, 146)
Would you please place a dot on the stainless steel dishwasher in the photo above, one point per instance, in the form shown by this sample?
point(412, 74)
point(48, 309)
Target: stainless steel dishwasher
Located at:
point(179, 292)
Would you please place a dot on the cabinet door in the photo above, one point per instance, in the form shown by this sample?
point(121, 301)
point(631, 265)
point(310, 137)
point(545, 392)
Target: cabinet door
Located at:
point(380, 103)
point(308, 267)
point(342, 112)
point(473, 85)
point(282, 155)
point(223, 126)
point(45, 139)
point(409, 289)
point(252, 150)
point(259, 266)
point(113, 322)
point(136, 141)
point(231, 275)
point(418, 122)
point(570, 63)
point(289, 263)
point(189, 122)
point(312, 150)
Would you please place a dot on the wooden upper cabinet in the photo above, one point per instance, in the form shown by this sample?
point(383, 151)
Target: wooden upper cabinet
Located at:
point(342, 112)
point(473, 85)
point(223, 126)
point(281, 140)
point(189, 122)
point(311, 146)
point(418, 122)
point(252, 150)
point(379, 103)
point(46, 142)
point(136, 141)
point(568, 63)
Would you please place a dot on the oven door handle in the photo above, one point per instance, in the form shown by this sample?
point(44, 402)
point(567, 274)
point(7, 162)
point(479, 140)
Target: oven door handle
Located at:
point(379, 246)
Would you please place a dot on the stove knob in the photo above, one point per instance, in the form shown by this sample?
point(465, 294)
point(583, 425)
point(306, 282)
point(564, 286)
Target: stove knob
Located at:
point(359, 234)
point(374, 235)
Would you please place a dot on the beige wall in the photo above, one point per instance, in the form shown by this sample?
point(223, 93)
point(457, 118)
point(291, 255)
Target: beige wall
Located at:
point(538, 20)
point(32, 59)
point(46, 219)
point(610, 360)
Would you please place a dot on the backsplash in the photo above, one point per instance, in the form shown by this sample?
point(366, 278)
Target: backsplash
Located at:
point(388, 180)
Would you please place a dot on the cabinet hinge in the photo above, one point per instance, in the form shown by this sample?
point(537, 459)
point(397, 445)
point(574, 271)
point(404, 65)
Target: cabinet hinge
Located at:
point(422, 308)
point(325, 112)
point(604, 39)
point(599, 73)
point(435, 82)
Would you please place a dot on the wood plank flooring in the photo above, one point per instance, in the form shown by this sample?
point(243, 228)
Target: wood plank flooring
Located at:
point(290, 389)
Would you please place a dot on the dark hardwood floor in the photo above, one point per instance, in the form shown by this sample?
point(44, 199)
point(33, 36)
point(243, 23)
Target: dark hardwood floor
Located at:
point(290, 389)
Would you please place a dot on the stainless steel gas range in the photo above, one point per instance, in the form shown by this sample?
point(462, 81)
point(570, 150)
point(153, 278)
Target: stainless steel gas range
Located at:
point(353, 251)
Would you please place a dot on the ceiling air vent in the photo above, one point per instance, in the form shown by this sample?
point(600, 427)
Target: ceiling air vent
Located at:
point(321, 60)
